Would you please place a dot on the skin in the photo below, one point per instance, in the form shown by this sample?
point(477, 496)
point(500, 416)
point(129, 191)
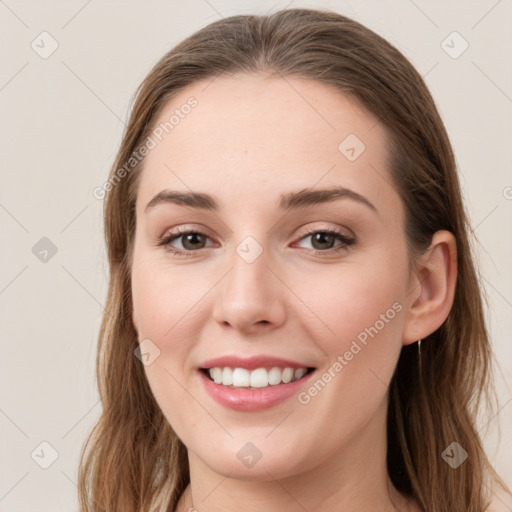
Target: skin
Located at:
point(251, 138)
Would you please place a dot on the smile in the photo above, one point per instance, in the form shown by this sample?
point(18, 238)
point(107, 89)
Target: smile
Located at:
point(257, 378)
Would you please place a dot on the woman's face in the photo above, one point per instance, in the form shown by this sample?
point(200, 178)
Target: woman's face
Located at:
point(263, 287)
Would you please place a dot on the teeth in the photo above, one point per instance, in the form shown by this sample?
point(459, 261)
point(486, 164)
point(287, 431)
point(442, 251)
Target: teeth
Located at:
point(241, 378)
point(227, 377)
point(258, 378)
point(299, 373)
point(274, 376)
point(287, 375)
point(216, 375)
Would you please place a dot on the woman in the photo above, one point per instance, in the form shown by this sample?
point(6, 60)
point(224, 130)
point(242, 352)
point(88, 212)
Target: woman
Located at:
point(294, 317)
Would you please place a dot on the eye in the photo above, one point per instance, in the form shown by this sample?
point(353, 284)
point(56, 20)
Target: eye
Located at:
point(192, 241)
point(323, 240)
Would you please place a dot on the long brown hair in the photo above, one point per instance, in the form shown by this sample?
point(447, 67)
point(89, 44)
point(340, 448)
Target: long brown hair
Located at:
point(133, 461)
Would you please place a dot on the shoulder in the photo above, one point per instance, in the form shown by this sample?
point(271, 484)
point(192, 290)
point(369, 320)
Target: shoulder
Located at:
point(501, 500)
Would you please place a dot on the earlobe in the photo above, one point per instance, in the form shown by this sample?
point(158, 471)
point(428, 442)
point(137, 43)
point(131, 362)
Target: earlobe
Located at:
point(433, 288)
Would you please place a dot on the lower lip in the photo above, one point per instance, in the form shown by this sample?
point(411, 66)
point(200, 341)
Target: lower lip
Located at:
point(252, 399)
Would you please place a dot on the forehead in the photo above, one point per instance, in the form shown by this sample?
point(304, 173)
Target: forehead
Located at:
point(251, 137)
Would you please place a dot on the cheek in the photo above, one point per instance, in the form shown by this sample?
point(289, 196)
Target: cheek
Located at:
point(164, 306)
point(165, 298)
point(168, 309)
point(359, 320)
point(347, 301)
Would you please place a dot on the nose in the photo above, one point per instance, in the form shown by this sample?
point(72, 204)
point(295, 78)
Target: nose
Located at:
point(250, 298)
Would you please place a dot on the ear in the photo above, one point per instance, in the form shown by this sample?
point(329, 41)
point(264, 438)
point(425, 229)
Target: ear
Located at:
point(432, 288)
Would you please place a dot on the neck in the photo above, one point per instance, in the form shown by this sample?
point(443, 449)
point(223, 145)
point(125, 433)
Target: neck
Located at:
point(352, 479)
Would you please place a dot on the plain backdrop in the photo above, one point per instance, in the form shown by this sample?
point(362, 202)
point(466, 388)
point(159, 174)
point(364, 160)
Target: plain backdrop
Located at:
point(68, 72)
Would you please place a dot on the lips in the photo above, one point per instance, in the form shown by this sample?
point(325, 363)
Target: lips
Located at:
point(252, 363)
point(253, 383)
point(255, 372)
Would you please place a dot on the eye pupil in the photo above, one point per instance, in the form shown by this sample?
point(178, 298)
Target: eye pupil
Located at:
point(191, 237)
point(320, 237)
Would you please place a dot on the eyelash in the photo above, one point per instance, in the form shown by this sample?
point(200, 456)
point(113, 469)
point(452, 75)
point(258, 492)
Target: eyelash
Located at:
point(166, 241)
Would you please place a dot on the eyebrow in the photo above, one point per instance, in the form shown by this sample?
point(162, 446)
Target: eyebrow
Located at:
point(289, 201)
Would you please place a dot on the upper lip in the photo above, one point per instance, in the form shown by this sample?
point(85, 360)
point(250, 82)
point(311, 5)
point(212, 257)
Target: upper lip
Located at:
point(251, 363)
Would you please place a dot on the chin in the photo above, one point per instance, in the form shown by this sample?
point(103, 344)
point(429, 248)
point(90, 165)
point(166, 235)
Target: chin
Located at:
point(256, 461)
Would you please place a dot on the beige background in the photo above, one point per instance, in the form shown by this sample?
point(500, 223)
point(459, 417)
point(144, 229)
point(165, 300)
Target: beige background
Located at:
point(61, 123)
